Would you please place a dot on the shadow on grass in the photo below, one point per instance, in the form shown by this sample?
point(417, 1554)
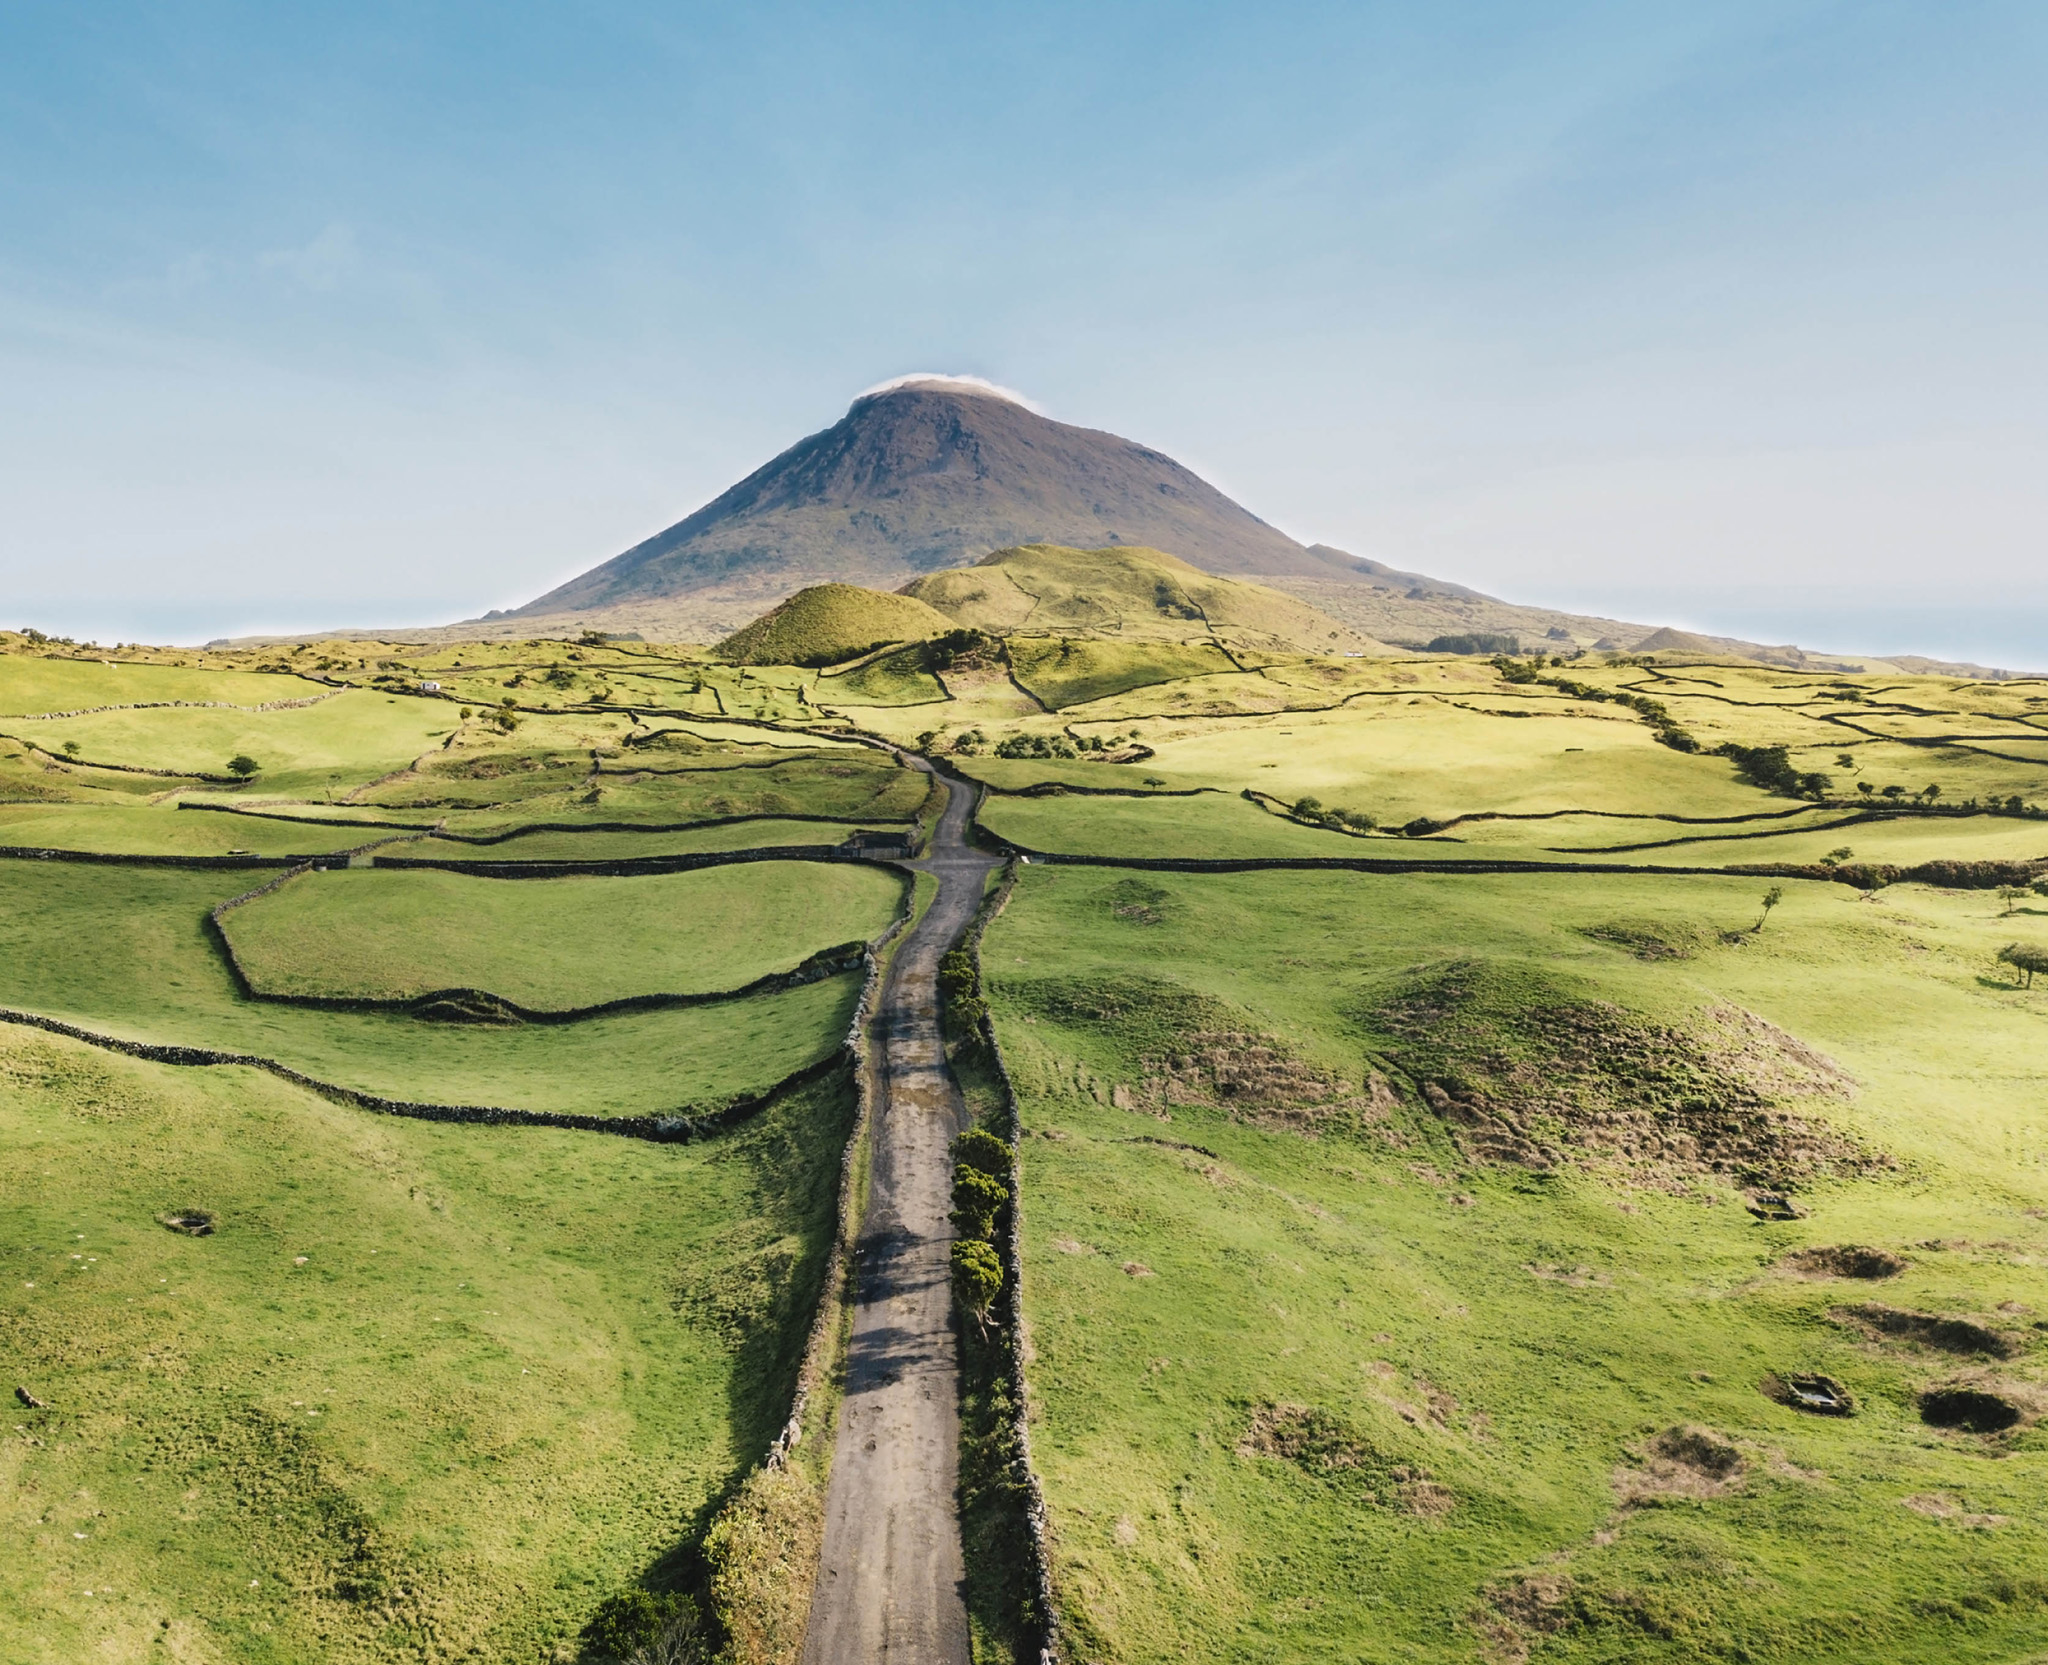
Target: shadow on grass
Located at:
point(792, 1152)
point(994, 1496)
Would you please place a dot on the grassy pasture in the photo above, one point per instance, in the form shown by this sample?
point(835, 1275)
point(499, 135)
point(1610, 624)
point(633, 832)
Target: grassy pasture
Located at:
point(426, 1393)
point(572, 845)
point(1064, 671)
point(1973, 739)
point(1399, 761)
point(29, 777)
point(1520, 1340)
point(351, 738)
point(125, 951)
point(1903, 841)
point(898, 678)
point(1225, 694)
point(551, 944)
point(138, 830)
point(1210, 826)
point(32, 683)
point(662, 781)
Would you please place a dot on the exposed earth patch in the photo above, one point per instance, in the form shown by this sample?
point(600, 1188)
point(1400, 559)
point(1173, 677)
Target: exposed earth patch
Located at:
point(1525, 1068)
point(1323, 1444)
point(1844, 1260)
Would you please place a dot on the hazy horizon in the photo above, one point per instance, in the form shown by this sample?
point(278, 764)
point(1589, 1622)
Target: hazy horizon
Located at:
point(390, 317)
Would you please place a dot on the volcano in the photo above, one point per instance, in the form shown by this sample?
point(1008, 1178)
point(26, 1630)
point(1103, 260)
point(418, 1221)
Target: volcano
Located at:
point(919, 475)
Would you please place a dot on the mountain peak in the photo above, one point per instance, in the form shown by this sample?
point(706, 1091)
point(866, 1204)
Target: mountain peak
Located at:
point(933, 381)
point(925, 472)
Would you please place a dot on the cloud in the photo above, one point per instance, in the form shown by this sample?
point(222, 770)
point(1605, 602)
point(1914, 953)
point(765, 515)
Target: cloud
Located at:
point(958, 384)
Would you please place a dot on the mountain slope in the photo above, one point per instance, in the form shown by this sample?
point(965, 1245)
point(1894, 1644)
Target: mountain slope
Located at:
point(931, 474)
point(1133, 594)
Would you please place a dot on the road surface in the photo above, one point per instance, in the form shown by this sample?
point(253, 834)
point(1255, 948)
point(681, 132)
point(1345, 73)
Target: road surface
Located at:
point(890, 1579)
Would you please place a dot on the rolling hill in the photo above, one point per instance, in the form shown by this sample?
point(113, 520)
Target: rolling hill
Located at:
point(829, 624)
point(1133, 594)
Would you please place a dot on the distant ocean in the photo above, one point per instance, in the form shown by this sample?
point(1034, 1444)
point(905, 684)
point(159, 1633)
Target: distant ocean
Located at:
point(2007, 635)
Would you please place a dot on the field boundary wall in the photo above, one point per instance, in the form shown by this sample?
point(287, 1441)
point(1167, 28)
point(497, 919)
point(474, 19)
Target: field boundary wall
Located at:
point(1012, 1322)
point(1948, 875)
point(823, 1341)
point(679, 1126)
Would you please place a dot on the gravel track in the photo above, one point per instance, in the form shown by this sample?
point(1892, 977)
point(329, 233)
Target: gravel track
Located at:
point(891, 1577)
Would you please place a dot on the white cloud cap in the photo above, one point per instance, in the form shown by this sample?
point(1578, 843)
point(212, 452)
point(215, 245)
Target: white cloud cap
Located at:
point(952, 384)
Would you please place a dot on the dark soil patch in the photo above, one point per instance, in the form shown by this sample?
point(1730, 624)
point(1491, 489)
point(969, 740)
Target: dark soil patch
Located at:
point(1526, 1068)
point(1818, 1395)
point(1137, 902)
point(1682, 1461)
point(192, 1222)
point(1845, 1260)
point(1648, 940)
point(1322, 1444)
point(1254, 1078)
point(1942, 1333)
point(1183, 1048)
point(1969, 1410)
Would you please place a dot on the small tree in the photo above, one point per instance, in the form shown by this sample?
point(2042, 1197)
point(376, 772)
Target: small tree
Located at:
point(1772, 898)
point(978, 1148)
point(1894, 791)
point(1865, 788)
point(71, 748)
point(1309, 809)
point(637, 1626)
point(2025, 958)
point(2012, 895)
point(977, 1279)
point(1835, 858)
point(977, 1198)
point(243, 765)
point(1930, 793)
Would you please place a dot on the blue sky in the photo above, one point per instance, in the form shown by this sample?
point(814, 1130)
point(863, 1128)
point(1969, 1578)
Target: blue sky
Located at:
point(1726, 314)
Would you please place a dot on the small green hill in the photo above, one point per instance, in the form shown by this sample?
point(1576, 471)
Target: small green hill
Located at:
point(829, 624)
point(1133, 593)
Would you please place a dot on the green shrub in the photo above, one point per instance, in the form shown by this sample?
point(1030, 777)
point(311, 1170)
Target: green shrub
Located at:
point(977, 1278)
point(977, 1199)
point(2026, 958)
point(762, 1554)
point(978, 1148)
point(638, 1622)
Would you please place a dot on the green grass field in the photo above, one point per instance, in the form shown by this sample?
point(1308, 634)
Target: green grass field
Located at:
point(151, 973)
point(1320, 1382)
point(1393, 1289)
point(1066, 672)
point(552, 944)
point(567, 844)
point(425, 1393)
point(34, 684)
point(134, 829)
point(347, 740)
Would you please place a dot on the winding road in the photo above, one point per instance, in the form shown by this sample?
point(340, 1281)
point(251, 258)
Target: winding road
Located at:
point(891, 1577)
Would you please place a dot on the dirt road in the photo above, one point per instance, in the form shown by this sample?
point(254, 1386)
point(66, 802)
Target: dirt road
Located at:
point(889, 1583)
